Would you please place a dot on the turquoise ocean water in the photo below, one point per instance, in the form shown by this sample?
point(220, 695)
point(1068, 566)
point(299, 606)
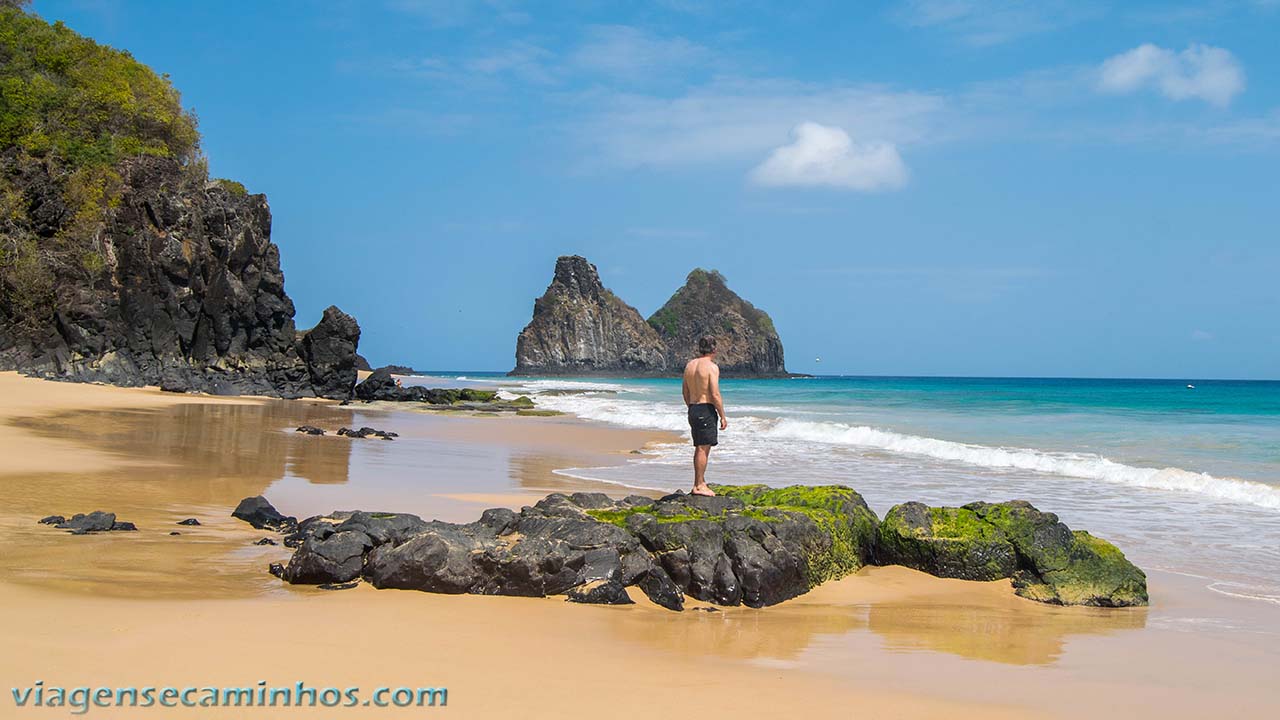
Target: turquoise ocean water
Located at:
point(1184, 479)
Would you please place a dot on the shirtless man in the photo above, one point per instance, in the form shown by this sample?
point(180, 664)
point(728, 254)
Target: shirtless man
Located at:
point(702, 395)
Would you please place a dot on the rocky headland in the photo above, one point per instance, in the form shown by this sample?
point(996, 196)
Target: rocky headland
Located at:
point(580, 327)
point(121, 261)
point(751, 545)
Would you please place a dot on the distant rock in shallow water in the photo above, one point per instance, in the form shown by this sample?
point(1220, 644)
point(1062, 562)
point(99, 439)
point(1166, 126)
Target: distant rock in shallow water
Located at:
point(365, 432)
point(189, 521)
point(309, 430)
point(262, 515)
point(96, 521)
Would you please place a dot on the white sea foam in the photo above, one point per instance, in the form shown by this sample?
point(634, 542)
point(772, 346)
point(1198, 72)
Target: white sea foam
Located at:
point(1247, 592)
point(542, 385)
point(1079, 465)
point(770, 436)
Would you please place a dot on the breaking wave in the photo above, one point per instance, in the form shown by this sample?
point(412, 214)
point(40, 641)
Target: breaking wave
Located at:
point(771, 433)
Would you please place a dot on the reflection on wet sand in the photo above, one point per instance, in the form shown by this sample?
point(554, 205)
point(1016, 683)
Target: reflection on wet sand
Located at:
point(199, 460)
point(1005, 629)
point(908, 611)
point(178, 462)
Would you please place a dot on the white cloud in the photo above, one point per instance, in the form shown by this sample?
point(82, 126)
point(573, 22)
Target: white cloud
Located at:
point(826, 156)
point(992, 22)
point(1200, 72)
point(630, 52)
point(741, 121)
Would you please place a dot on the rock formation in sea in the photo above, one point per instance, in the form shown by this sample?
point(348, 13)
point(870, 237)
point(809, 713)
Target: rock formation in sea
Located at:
point(747, 344)
point(120, 260)
point(579, 327)
point(751, 545)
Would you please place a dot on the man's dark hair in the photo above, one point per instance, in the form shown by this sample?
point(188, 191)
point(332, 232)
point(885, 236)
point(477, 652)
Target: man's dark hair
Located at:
point(707, 345)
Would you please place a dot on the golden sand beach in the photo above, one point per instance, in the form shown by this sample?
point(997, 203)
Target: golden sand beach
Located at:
point(199, 609)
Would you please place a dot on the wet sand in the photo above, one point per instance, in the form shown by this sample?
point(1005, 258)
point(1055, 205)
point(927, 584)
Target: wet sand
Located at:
point(149, 608)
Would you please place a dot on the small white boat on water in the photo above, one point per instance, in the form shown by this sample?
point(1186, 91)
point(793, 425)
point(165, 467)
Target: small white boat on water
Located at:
point(1190, 386)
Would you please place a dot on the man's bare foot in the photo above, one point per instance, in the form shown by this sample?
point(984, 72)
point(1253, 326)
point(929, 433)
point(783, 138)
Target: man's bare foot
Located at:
point(704, 490)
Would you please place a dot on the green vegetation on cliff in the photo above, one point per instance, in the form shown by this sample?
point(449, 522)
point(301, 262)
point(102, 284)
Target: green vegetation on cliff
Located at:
point(65, 95)
point(747, 341)
point(72, 110)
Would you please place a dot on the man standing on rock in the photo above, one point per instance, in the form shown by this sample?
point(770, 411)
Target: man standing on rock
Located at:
point(702, 395)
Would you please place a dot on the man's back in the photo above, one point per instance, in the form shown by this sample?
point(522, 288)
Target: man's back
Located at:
point(699, 381)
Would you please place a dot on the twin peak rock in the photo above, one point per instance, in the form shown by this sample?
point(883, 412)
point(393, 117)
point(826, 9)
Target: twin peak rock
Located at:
point(580, 327)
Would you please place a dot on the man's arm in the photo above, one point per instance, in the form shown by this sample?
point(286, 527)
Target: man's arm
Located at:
point(715, 396)
point(685, 389)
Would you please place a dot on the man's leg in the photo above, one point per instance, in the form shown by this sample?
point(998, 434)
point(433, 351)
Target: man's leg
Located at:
point(700, 455)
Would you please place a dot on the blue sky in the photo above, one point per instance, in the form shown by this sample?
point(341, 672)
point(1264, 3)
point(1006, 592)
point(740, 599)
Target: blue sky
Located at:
point(944, 187)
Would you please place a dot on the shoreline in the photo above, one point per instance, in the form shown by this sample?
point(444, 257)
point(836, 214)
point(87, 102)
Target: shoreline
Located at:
point(864, 641)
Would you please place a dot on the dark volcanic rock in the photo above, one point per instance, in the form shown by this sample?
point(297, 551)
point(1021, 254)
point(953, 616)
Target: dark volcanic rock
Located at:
point(981, 541)
point(381, 385)
point(365, 432)
point(580, 327)
point(336, 559)
point(751, 545)
point(329, 350)
point(52, 520)
point(746, 340)
point(608, 592)
point(309, 430)
point(728, 550)
point(264, 541)
point(96, 521)
point(189, 521)
point(181, 288)
point(262, 515)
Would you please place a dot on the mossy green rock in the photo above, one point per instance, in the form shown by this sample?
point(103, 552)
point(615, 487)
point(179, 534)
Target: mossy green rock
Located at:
point(1096, 573)
point(1047, 561)
point(947, 542)
point(840, 511)
point(752, 545)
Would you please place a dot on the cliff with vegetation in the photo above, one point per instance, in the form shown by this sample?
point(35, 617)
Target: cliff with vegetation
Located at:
point(121, 261)
point(746, 342)
point(581, 328)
